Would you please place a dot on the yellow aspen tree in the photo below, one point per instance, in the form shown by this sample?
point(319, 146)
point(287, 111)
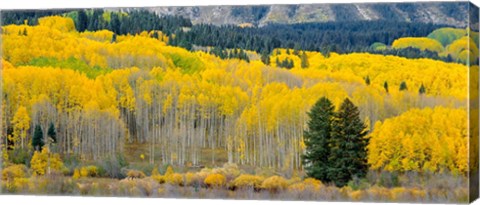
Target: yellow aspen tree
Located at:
point(21, 122)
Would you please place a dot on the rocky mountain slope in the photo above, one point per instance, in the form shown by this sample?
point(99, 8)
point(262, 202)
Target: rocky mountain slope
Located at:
point(450, 13)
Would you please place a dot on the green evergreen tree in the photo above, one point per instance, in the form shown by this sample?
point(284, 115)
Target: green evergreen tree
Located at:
point(265, 58)
point(385, 85)
point(114, 38)
point(422, 89)
point(290, 64)
point(403, 86)
point(82, 21)
point(155, 35)
point(296, 49)
point(348, 156)
point(304, 59)
point(37, 141)
point(316, 138)
point(52, 133)
point(367, 80)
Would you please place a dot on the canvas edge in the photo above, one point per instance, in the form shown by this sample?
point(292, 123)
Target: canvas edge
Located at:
point(473, 23)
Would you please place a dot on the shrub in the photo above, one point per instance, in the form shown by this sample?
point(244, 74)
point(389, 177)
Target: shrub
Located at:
point(194, 179)
point(248, 181)
point(297, 187)
point(379, 193)
point(307, 184)
point(44, 161)
point(88, 171)
point(215, 180)
point(14, 171)
point(135, 174)
point(76, 174)
point(155, 171)
point(19, 156)
point(398, 193)
point(275, 183)
point(229, 170)
point(113, 166)
point(201, 176)
point(159, 178)
point(92, 171)
point(313, 183)
point(174, 179)
point(417, 194)
point(169, 171)
point(21, 184)
point(83, 172)
point(294, 180)
point(357, 195)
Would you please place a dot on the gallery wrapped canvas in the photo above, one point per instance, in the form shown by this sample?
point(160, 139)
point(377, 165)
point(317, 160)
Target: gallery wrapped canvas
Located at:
point(371, 102)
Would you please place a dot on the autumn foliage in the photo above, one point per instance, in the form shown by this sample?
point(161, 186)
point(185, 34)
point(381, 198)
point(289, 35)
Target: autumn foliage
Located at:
point(102, 91)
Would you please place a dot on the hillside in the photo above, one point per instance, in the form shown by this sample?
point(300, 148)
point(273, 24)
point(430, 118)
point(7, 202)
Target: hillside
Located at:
point(103, 103)
point(450, 13)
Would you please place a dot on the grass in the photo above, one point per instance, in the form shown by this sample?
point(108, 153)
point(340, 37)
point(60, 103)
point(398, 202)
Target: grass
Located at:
point(147, 187)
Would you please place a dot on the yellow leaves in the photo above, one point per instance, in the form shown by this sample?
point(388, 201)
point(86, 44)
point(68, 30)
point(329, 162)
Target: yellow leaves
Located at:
point(421, 43)
point(63, 24)
point(174, 179)
point(246, 181)
point(215, 180)
point(275, 183)
point(5, 65)
point(88, 171)
point(83, 172)
point(21, 123)
point(76, 174)
point(307, 184)
point(169, 171)
point(420, 140)
point(135, 174)
point(45, 162)
point(14, 171)
point(21, 119)
point(101, 35)
point(463, 49)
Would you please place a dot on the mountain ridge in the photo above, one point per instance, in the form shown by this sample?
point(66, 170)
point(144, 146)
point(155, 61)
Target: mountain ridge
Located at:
point(448, 13)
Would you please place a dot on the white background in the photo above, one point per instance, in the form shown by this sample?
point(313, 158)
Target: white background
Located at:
point(42, 4)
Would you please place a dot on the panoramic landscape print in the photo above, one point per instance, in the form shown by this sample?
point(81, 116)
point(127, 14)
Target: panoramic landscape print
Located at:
point(326, 102)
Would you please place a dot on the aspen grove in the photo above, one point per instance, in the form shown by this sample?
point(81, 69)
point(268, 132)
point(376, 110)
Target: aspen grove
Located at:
point(102, 91)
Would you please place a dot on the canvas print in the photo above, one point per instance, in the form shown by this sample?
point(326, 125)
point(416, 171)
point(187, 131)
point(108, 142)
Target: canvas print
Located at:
point(371, 102)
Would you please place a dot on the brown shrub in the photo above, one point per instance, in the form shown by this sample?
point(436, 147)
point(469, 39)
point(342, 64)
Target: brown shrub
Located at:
point(248, 181)
point(135, 174)
point(14, 171)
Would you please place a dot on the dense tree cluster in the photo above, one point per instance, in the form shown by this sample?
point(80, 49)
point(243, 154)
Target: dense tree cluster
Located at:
point(29, 17)
point(230, 53)
point(335, 143)
point(329, 37)
point(400, 144)
point(339, 37)
point(132, 22)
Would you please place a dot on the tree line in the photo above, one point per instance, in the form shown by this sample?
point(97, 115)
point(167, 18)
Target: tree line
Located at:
point(339, 37)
